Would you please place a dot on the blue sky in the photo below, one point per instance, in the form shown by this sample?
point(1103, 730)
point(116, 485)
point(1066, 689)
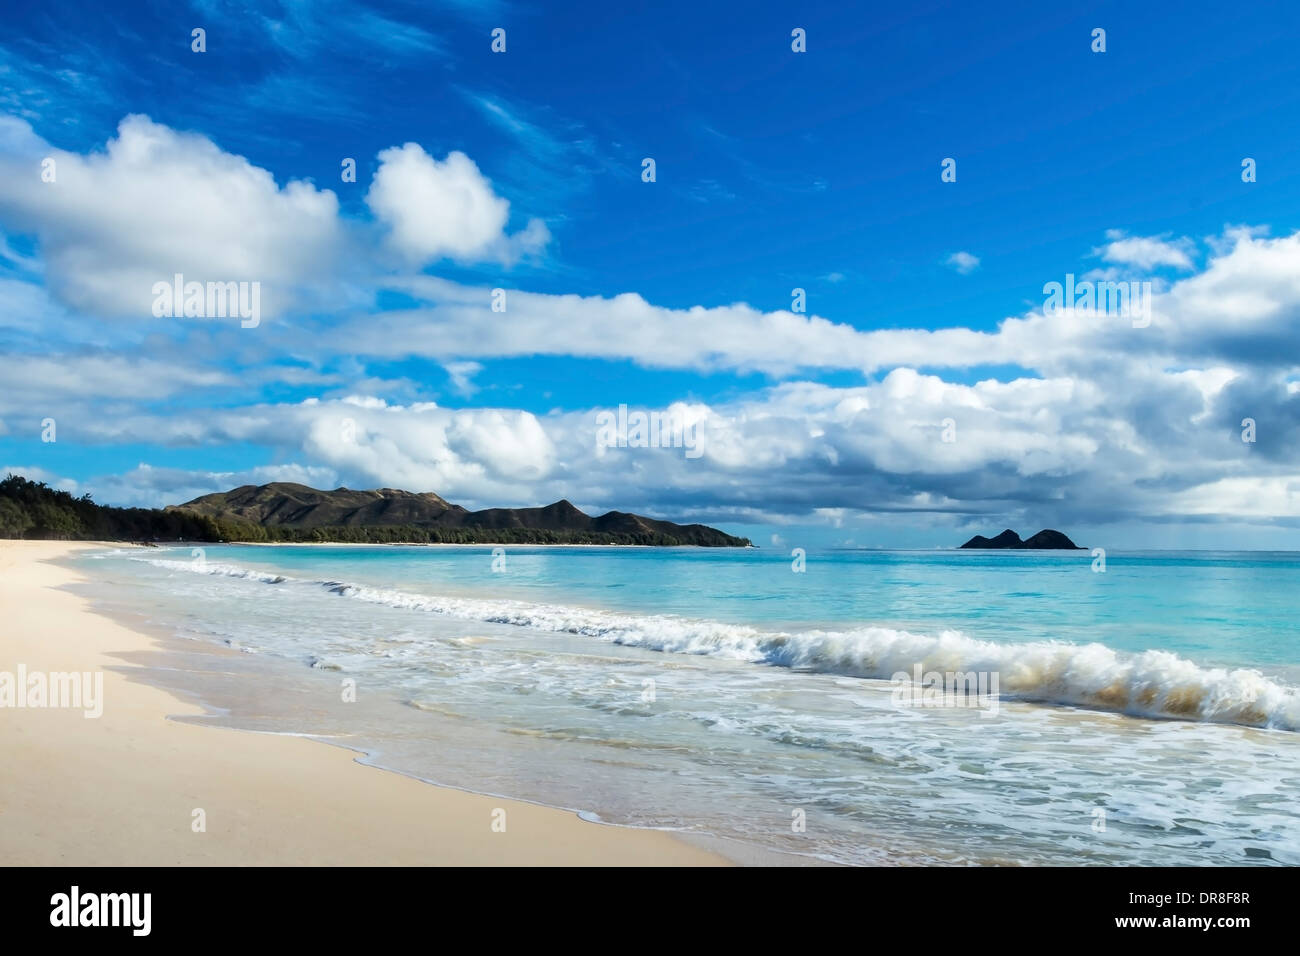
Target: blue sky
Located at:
point(775, 170)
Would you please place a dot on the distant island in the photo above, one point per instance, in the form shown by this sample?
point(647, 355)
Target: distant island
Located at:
point(293, 513)
point(1045, 540)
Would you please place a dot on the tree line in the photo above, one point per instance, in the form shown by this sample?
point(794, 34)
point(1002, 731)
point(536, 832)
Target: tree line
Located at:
point(32, 509)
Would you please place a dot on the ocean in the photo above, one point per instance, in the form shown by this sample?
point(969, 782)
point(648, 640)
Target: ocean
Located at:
point(1147, 714)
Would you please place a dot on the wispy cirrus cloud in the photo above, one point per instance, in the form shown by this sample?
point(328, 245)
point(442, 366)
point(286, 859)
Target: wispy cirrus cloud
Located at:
point(565, 153)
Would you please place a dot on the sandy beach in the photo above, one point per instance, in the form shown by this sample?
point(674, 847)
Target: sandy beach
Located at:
point(122, 788)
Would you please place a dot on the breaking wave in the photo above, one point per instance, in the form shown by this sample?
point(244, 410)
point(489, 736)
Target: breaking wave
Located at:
point(1148, 684)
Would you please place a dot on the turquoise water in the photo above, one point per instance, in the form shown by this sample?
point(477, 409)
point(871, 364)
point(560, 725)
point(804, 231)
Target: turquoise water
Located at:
point(724, 693)
point(1217, 607)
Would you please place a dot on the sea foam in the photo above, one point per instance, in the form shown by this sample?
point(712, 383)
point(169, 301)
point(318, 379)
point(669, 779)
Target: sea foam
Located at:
point(1152, 683)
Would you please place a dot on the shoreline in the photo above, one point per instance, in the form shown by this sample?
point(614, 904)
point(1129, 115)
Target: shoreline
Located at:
point(388, 544)
point(126, 788)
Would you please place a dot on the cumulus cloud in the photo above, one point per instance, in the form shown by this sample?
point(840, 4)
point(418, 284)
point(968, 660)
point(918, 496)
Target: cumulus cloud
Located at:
point(1130, 442)
point(477, 453)
point(1098, 420)
point(1108, 422)
point(436, 210)
point(157, 202)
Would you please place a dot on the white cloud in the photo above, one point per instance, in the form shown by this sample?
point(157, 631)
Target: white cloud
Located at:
point(477, 453)
point(1130, 441)
point(1108, 420)
point(436, 210)
point(1257, 497)
point(459, 324)
point(31, 379)
point(462, 376)
point(1241, 307)
point(963, 262)
point(158, 202)
point(1147, 252)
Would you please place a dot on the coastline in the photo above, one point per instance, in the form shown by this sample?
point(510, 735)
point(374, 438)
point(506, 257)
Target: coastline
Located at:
point(445, 544)
point(122, 789)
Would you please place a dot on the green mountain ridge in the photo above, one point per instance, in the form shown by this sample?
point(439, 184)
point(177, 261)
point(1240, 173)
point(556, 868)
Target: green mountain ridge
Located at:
point(289, 512)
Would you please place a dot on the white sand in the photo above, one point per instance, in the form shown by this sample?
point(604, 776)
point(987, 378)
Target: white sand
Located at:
point(121, 789)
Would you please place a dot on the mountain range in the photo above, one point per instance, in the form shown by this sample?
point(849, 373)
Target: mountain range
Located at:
point(285, 511)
